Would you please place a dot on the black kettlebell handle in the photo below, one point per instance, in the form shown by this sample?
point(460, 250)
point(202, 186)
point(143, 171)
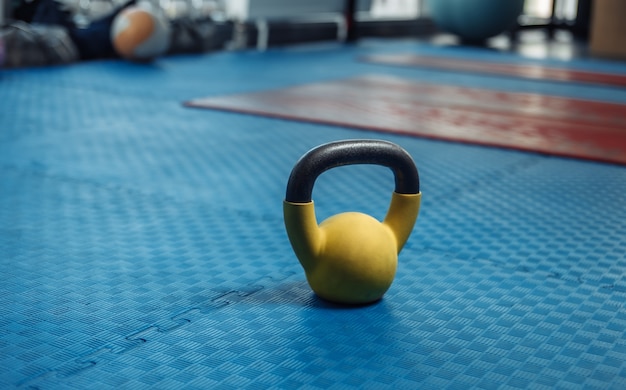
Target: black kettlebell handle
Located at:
point(350, 152)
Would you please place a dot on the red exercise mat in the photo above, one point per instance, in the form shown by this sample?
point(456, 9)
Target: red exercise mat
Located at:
point(545, 124)
point(530, 71)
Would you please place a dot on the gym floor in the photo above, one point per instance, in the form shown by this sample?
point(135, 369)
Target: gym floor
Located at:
point(142, 243)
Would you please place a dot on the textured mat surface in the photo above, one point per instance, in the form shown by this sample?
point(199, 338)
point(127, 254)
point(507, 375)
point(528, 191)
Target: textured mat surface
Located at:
point(142, 243)
point(532, 122)
point(530, 71)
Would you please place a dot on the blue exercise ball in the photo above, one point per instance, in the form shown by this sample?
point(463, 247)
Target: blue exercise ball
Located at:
point(475, 20)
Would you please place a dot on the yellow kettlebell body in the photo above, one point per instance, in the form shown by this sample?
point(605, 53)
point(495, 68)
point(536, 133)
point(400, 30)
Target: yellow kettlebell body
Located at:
point(351, 257)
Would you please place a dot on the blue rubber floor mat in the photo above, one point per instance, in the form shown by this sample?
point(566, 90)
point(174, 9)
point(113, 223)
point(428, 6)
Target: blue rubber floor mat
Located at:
point(142, 243)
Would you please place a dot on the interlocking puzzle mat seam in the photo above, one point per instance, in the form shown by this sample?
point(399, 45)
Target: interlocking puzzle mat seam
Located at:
point(435, 338)
point(175, 320)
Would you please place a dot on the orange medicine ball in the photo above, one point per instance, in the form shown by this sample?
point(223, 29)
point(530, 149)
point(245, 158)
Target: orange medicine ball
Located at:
point(140, 33)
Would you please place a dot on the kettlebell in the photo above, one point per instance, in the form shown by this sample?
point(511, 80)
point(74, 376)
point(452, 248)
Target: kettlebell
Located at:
point(351, 258)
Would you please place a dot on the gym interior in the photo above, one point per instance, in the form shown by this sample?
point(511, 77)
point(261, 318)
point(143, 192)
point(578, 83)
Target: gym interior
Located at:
point(147, 195)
